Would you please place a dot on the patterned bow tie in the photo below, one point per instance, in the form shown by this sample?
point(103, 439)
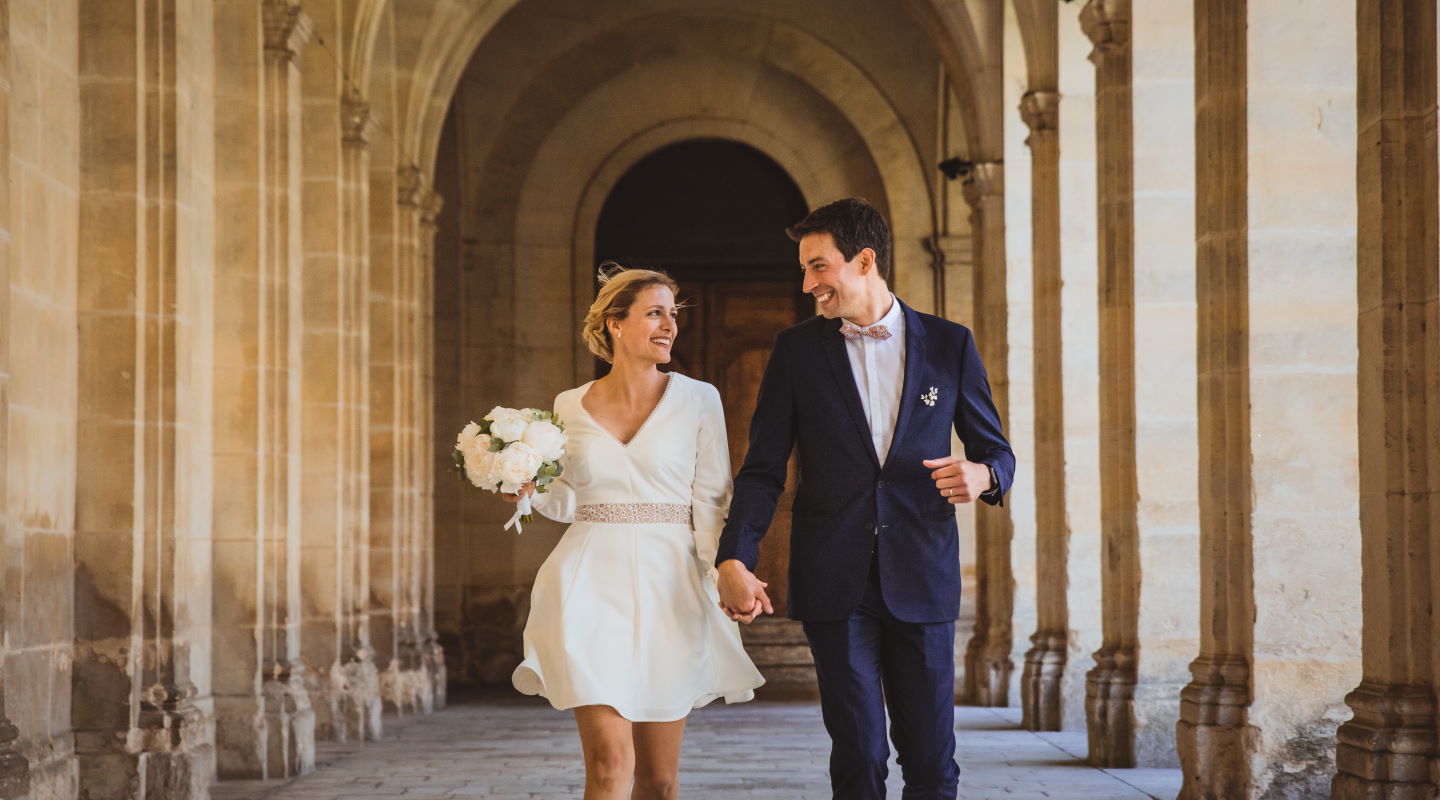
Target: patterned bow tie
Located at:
point(874, 331)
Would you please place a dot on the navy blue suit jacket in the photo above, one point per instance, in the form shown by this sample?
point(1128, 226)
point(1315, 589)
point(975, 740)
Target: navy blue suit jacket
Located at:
point(846, 502)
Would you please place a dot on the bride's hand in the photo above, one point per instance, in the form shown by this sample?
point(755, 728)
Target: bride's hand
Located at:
point(525, 491)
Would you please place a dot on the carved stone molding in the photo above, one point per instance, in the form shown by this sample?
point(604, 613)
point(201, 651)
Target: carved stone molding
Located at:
point(1385, 749)
point(1041, 700)
point(1107, 24)
point(986, 180)
point(410, 187)
point(287, 27)
point(1041, 111)
point(357, 120)
point(1109, 708)
point(430, 205)
point(1213, 737)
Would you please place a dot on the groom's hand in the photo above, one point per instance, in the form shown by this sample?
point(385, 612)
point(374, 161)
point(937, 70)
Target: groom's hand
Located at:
point(958, 480)
point(742, 595)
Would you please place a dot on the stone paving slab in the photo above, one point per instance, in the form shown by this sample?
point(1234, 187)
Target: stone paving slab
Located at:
point(504, 747)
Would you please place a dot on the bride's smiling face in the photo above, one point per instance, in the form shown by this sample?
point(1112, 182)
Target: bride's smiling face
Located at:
point(649, 328)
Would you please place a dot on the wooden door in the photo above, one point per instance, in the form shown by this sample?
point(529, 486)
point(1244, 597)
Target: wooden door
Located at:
point(725, 339)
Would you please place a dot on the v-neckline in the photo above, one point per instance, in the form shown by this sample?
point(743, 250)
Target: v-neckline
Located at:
point(670, 381)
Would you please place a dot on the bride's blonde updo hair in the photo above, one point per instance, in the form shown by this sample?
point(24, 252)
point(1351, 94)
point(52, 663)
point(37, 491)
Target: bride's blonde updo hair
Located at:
point(618, 288)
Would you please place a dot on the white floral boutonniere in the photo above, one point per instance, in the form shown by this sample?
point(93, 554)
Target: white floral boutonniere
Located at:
point(928, 398)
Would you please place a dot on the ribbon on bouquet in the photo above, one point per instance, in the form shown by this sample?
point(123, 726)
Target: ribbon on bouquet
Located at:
point(522, 509)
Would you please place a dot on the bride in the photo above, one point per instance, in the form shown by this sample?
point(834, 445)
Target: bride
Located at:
point(625, 625)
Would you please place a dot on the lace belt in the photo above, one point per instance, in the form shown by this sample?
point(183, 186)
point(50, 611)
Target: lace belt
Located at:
point(634, 513)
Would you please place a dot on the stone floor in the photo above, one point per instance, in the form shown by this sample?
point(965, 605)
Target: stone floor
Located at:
point(508, 748)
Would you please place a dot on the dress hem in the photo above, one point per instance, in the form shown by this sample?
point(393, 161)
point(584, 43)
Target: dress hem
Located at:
point(534, 686)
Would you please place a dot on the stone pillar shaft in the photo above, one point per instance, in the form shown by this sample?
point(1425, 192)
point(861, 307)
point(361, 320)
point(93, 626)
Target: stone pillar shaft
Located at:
point(136, 727)
point(1388, 748)
point(14, 767)
point(987, 658)
point(265, 726)
point(1110, 684)
point(1040, 685)
point(340, 673)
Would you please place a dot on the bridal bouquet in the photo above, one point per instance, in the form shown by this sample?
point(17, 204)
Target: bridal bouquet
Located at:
point(508, 449)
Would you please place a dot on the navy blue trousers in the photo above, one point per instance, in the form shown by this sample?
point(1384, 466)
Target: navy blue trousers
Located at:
point(871, 661)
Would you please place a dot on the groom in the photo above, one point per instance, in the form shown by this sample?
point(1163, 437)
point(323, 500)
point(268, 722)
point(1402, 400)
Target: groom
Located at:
point(869, 391)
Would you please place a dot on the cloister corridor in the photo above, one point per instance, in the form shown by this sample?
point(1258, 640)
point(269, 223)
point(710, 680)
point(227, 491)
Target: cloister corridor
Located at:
point(500, 747)
point(260, 260)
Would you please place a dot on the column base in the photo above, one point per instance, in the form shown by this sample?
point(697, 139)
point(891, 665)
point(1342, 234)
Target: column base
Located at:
point(1109, 708)
point(987, 673)
point(346, 699)
point(1385, 748)
point(1214, 738)
point(434, 657)
point(14, 769)
point(170, 753)
point(268, 736)
point(406, 685)
point(1041, 702)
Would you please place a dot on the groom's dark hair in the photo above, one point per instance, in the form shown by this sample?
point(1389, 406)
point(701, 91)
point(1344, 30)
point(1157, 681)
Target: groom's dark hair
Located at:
point(854, 225)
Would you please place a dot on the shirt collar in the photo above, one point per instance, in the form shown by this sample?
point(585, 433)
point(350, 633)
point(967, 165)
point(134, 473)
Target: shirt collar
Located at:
point(891, 320)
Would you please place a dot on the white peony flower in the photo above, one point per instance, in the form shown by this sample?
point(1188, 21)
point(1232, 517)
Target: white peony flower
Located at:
point(516, 465)
point(507, 424)
point(480, 467)
point(467, 437)
point(546, 437)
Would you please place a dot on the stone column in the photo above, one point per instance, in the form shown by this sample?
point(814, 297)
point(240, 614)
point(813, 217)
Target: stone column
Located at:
point(357, 125)
point(14, 768)
point(1045, 660)
point(987, 657)
point(400, 457)
point(1388, 748)
point(431, 653)
point(138, 732)
point(265, 725)
point(340, 672)
point(1109, 686)
point(1277, 315)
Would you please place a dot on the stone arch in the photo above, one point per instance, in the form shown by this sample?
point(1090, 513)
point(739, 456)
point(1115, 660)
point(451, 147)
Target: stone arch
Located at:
point(556, 215)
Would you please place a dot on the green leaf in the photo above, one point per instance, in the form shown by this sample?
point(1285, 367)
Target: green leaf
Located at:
point(496, 445)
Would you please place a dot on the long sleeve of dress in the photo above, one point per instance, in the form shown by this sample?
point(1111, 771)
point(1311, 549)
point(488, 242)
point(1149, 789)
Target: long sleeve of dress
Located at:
point(710, 491)
point(558, 500)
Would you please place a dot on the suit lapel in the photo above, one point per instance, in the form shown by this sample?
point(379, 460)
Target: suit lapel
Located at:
point(914, 367)
point(834, 346)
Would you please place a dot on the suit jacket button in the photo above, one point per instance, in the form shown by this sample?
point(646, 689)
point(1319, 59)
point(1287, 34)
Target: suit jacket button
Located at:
point(880, 485)
point(869, 526)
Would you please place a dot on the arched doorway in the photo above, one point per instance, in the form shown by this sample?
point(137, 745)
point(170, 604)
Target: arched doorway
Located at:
point(713, 213)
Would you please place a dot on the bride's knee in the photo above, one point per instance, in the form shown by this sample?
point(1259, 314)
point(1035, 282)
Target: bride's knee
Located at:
point(610, 766)
point(657, 783)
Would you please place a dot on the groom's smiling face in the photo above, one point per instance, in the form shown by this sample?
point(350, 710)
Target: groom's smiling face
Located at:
point(839, 287)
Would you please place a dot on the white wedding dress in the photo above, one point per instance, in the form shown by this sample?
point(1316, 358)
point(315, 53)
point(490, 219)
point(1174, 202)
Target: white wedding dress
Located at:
point(624, 611)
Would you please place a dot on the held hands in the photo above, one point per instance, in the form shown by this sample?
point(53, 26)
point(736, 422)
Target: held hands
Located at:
point(525, 491)
point(742, 595)
point(958, 480)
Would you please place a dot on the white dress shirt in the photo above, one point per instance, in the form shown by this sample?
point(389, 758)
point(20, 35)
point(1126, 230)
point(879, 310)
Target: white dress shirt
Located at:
point(879, 369)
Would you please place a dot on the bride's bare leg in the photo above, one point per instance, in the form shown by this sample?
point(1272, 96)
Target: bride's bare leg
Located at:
point(609, 748)
point(657, 760)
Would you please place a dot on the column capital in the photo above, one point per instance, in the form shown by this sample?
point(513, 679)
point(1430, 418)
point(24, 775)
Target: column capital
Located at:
point(287, 27)
point(430, 206)
point(1107, 24)
point(1041, 111)
point(357, 119)
point(410, 187)
point(986, 180)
